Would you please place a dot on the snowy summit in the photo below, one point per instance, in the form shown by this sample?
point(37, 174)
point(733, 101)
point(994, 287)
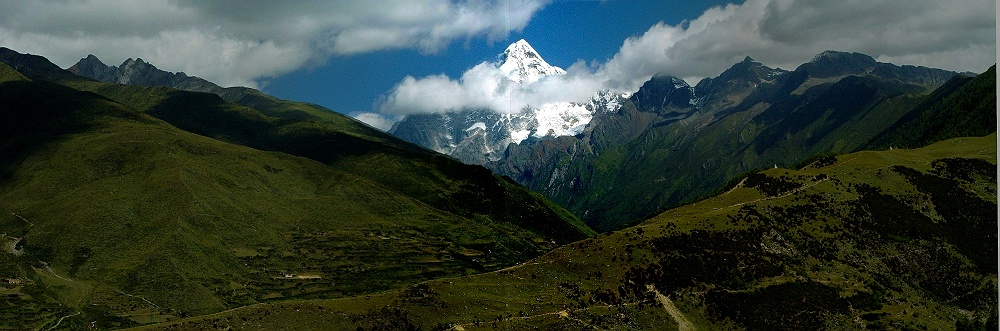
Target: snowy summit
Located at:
point(483, 135)
point(522, 64)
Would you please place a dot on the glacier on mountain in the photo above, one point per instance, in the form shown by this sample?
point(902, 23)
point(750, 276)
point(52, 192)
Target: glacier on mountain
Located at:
point(477, 125)
point(561, 119)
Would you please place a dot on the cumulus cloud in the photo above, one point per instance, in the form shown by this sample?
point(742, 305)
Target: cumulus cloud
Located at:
point(238, 42)
point(779, 33)
point(485, 86)
point(376, 120)
point(786, 33)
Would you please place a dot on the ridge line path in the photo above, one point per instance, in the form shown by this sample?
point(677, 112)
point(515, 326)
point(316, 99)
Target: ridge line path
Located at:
point(787, 194)
point(60, 321)
point(683, 324)
point(139, 297)
point(23, 219)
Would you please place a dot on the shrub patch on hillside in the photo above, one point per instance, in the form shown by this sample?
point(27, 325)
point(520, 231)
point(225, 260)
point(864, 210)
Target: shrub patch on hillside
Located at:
point(770, 186)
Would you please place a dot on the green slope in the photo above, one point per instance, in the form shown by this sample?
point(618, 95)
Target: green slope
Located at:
point(305, 130)
point(314, 132)
point(958, 109)
point(115, 216)
point(900, 239)
point(8, 74)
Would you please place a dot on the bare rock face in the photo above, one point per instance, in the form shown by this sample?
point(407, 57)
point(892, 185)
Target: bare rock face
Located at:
point(134, 72)
point(92, 67)
point(141, 73)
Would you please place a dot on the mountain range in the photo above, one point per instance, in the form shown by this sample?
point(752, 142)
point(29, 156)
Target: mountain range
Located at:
point(844, 194)
point(679, 142)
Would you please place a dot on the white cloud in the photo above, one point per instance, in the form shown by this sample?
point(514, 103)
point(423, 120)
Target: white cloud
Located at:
point(787, 33)
point(429, 26)
point(779, 33)
point(238, 42)
point(486, 87)
point(376, 120)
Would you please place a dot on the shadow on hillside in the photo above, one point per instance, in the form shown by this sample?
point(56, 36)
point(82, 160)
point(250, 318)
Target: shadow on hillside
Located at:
point(208, 115)
point(35, 114)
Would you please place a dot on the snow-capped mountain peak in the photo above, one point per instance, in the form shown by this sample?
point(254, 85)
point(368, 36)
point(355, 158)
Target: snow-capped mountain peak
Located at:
point(522, 64)
point(483, 135)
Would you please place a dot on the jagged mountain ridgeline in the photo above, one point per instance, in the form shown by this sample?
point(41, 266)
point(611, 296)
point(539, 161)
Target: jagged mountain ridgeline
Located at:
point(125, 205)
point(629, 156)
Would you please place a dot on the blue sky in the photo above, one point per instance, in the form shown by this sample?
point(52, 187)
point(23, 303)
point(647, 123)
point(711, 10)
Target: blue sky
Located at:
point(384, 59)
point(563, 32)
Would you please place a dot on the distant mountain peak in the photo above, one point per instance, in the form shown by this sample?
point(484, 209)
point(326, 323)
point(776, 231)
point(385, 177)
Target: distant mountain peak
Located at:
point(839, 64)
point(843, 57)
point(131, 62)
point(521, 47)
point(747, 64)
point(92, 67)
point(91, 61)
point(139, 72)
point(748, 70)
point(522, 64)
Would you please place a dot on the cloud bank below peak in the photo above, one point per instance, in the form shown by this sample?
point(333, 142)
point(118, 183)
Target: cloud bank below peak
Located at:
point(779, 33)
point(235, 42)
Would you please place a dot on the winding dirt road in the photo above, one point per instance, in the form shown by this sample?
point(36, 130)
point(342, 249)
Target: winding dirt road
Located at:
point(683, 324)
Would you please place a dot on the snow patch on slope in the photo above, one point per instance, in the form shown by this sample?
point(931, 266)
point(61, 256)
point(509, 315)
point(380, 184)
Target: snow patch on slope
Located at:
point(518, 136)
point(477, 125)
point(606, 102)
point(561, 119)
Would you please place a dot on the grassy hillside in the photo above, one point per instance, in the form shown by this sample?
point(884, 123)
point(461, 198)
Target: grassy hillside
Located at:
point(305, 130)
point(115, 216)
point(960, 110)
point(900, 239)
